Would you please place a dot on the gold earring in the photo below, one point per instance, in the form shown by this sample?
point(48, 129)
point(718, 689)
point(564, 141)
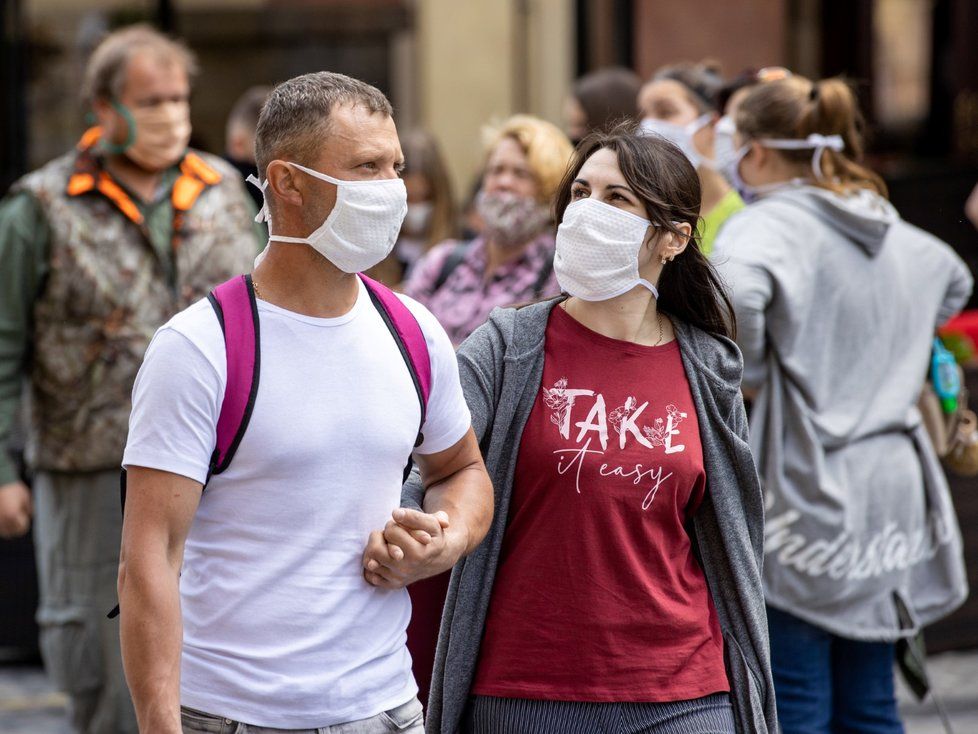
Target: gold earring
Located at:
point(664, 260)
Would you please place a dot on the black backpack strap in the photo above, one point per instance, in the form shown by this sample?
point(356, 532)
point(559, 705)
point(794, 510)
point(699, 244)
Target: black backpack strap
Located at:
point(544, 277)
point(454, 259)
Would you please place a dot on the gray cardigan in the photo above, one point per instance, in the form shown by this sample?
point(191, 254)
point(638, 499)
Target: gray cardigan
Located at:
point(501, 368)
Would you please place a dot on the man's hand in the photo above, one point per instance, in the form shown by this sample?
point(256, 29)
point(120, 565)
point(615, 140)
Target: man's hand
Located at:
point(16, 510)
point(413, 546)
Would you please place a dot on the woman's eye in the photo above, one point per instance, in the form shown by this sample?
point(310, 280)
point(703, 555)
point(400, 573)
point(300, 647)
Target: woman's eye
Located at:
point(578, 194)
point(618, 197)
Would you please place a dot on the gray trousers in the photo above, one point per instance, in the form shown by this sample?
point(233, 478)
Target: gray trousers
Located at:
point(406, 719)
point(77, 533)
point(490, 715)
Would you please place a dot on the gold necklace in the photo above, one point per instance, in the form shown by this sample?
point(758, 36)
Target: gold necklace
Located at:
point(254, 285)
point(658, 318)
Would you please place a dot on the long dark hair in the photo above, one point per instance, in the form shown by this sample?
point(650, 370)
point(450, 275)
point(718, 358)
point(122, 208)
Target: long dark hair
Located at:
point(669, 188)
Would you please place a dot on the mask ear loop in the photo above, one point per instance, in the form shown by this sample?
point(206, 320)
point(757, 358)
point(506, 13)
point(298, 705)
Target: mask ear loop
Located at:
point(120, 148)
point(262, 215)
point(820, 143)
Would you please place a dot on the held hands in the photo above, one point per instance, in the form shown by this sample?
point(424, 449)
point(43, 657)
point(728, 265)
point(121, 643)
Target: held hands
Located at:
point(413, 545)
point(16, 509)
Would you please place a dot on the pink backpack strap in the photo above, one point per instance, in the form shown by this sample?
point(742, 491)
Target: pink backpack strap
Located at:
point(236, 310)
point(406, 330)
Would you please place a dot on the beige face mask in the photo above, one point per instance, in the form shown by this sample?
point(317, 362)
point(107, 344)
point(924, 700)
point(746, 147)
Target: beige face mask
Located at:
point(161, 134)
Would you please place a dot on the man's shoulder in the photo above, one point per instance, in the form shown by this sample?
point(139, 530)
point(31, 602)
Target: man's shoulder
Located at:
point(199, 329)
point(433, 331)
point(217, 164)
point(54, 173)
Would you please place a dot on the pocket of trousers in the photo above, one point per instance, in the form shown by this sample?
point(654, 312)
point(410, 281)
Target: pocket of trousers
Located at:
point(198, 722)
point(70, 647)
point(405, 717)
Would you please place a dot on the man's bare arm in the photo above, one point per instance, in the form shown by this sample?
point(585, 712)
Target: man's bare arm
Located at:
point(160, 507)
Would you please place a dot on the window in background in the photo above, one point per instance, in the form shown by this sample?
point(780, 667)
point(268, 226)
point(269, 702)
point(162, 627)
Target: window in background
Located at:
point(902, 33)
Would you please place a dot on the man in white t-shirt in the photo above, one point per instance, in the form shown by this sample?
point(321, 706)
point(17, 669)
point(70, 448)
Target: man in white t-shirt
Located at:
point(253, 605)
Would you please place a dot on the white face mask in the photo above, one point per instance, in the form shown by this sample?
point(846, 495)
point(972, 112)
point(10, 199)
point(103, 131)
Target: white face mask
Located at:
point(724, 149)
point(597, 251)
point(820, 143)
point(362, 228)
point(681, 136)
point(418, 216)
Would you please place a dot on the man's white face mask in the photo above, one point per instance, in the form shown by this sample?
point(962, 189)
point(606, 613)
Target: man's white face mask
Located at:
point(363, 226)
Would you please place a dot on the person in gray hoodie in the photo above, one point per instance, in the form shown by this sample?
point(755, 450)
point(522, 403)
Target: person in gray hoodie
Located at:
point(619, 588)
point(837, 301)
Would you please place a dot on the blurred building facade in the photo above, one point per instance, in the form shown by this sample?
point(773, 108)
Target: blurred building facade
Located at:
point(451, 66)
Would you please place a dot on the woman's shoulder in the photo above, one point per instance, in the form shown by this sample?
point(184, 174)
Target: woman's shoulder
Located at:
point(513, 330)
point(716, 356)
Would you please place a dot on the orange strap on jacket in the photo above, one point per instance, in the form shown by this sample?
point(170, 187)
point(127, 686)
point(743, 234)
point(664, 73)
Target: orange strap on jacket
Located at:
point(195, 176)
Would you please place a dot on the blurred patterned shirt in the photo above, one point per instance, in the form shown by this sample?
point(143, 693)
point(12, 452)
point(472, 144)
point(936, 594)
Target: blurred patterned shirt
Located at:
point(466, 297)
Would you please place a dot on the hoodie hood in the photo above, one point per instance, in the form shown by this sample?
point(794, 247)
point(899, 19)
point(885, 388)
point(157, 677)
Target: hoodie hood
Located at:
point(863, 216)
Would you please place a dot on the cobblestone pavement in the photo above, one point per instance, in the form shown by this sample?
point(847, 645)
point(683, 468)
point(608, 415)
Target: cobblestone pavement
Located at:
point(28, 704)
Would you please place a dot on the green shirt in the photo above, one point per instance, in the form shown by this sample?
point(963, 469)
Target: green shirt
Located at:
point(24, 254)
point(714, 219)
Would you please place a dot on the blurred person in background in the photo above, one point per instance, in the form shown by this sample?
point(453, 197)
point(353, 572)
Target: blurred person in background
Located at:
point(679, 103)
point(733, 92)
point(837, 301)
point(239, 136)
point(512, 260)
point(601, 99)
point(431, 215)
point(472, 224)
point(99, 248)
point(619, 588)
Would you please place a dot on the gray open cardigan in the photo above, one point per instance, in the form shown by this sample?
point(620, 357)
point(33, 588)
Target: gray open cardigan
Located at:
point(501, 368)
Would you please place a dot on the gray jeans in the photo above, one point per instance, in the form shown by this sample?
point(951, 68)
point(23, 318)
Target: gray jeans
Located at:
point(490, 715)
point(407, 718)
point(77, 532)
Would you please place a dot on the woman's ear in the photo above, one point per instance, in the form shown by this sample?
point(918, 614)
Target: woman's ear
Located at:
point(673, 245)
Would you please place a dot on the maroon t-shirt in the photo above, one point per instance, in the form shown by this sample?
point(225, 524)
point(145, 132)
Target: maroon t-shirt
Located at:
point(599, 596)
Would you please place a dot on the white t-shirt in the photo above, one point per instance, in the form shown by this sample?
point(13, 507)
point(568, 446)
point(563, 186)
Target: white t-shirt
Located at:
point(280, 628)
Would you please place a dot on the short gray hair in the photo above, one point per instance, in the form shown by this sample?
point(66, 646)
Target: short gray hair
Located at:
point(296, 115)
point(105, 74)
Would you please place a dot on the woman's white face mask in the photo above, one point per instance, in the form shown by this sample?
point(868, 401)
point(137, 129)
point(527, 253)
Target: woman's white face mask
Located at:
point(598, 246)
point(361, 229)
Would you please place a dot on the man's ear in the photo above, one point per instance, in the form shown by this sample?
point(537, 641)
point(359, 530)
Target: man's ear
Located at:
point(106, 116)
point(282, 183)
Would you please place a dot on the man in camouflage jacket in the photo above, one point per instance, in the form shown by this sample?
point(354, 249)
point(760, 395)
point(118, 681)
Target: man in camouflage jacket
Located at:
point(99, 249)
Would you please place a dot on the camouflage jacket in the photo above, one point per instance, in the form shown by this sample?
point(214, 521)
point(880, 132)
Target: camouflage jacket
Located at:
point(107, 292)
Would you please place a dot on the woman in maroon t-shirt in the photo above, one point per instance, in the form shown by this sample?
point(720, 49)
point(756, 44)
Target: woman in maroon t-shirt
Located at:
point(601, 617)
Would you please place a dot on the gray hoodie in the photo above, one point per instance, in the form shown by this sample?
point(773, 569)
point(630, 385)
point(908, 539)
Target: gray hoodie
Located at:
point(501, 368)
point(837, 300)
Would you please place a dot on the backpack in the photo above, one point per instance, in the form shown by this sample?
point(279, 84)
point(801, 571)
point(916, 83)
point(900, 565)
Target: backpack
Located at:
point(236, 309)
